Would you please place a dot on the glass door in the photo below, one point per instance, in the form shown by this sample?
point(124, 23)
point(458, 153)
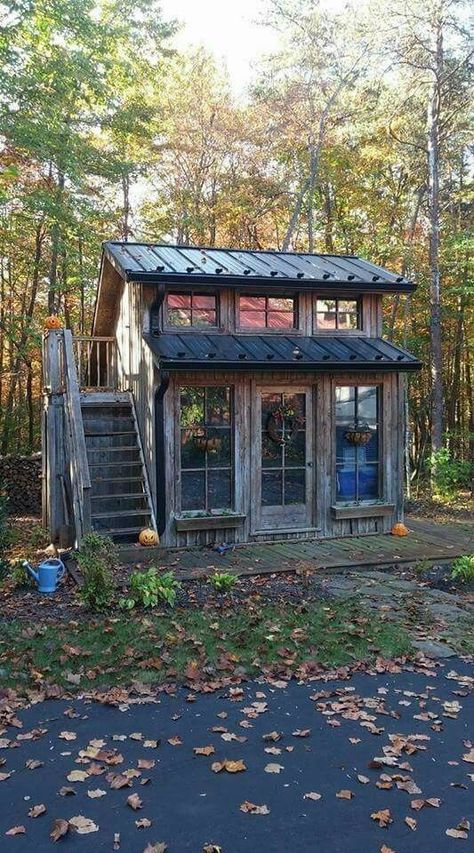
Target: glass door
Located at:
point(283, 470)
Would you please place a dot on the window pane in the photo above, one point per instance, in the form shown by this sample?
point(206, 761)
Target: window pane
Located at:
point(345, 483)
point(272, 488)
point(347, 305)
point(347, 321)
point(218, 447)
point(368, 482)
point(295, 486)
point(179, 300)
point(280, 321)
point(367, 404)
point(204, 318)
point(326, 321)
point(202, 301)
point(179, 317)
point(192, 407)
point(219, 490)
point(257, 303)
point(345, 403)
point(193, 448)
point(326, 305)
point(218, 405)
point(252, 319)
point(280, 304)
point(193, 490)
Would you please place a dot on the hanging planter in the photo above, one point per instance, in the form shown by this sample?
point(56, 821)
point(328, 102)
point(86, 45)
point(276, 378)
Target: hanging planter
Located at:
point(211, 445)
point(283, 424)
point(358, 434)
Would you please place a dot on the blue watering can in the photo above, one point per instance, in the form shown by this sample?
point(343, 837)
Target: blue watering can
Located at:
point(48, 575)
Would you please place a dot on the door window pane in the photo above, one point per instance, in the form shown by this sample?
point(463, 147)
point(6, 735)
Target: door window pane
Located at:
point(206, 448)
point(283, 443)
point(357, 443)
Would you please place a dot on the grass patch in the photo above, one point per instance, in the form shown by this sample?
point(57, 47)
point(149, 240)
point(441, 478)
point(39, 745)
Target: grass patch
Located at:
point(163, 646)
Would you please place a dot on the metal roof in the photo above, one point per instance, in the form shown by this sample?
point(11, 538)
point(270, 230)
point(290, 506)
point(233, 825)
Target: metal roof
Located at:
point(268, 352)
point(156, 262)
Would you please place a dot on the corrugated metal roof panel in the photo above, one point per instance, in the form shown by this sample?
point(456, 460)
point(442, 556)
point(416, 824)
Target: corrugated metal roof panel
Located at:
point(195, 350)
point(155, 262)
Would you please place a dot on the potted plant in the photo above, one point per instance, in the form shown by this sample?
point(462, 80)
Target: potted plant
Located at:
point(358, 434)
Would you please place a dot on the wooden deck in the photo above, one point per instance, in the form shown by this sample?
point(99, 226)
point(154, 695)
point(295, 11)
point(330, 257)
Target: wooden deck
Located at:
point(428, 541)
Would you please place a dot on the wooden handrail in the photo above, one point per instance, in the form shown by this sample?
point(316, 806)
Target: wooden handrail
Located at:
point(78, 464)
point(96, 361)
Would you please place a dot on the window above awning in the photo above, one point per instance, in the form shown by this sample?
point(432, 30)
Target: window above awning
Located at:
point(190, 351)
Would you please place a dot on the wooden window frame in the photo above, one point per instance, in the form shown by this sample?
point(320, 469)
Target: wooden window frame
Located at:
point(266, 330)
point(359, 330)
point(170, 327)
point(381, 499)
point(189, 513)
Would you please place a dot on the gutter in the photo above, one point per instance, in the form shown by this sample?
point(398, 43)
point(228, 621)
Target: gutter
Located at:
point(160, 452)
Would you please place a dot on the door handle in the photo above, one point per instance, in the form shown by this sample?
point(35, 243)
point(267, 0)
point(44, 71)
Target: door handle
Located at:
point(309, 464)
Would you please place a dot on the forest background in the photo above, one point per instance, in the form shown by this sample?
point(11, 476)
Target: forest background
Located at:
point(354, 136)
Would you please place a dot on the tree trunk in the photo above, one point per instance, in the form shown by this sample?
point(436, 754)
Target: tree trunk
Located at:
point(433, 133)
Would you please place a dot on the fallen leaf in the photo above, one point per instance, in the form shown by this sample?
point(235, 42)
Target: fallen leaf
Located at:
point(16, 830)
point(272, 736)
point(211, 848)
point(434, 802)
point(383, 817)
point(4, 776)
point(96, 793)
point(312, 795)
point(65, 791)
point(33, 764)
point(301, 732)
point(83, 825)
point(175, 740)
point(274, 768)
point(230, 766)
point(67, 735)
point(456, 833)
point(134, 802)
point(77, 776)
point(204, 750)
point(364, 780)
point(411, 822)
point(143, 823)
point(59, 828)
point(157, 847)
point(146, 763)
point(38, 810)
point(469, 756)
point(251, 808)
point(344, 794)
point(385, 849)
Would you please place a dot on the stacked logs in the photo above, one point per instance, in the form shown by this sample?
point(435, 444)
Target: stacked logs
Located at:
point(20, 480)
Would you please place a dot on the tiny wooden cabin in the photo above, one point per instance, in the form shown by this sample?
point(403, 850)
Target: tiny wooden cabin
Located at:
point(229, 396)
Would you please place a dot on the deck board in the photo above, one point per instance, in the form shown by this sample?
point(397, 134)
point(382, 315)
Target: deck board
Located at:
point(428, 540)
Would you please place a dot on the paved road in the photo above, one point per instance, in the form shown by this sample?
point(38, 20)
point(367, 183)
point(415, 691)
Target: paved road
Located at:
point(190, 805)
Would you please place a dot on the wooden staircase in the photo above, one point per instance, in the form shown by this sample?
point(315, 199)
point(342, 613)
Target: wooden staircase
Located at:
point(120, 496)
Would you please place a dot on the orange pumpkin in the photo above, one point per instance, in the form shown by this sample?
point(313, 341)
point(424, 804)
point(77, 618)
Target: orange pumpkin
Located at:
point(52, 322)
point(399, 529)
point(148, 537)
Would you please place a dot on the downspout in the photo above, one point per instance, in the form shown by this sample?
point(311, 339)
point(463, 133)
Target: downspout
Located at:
point(160, 452)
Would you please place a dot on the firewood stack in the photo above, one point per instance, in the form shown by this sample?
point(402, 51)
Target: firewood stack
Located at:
point(20, 479)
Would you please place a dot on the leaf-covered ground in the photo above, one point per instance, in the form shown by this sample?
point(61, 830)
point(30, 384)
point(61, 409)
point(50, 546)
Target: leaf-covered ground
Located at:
point(381, 762)
point(193, 644)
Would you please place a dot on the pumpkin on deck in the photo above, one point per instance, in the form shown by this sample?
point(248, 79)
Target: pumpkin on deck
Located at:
point(52, 322)
point(399, 529)
point(148, 537)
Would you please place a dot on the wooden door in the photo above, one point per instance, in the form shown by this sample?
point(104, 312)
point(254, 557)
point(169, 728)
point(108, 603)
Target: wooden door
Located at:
point(282, 470)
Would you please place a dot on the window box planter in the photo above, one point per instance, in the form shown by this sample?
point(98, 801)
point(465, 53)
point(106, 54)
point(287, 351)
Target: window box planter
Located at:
point(365, 510)
point(213, 521)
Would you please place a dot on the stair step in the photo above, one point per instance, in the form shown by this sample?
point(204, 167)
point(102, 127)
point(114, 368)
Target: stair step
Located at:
point(125, 531)
point(126, 447)
point(122, 513)
point(119, 497)
point(112, 464)
point(130, 479)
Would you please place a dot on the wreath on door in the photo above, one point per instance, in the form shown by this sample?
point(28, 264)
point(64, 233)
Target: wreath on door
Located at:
point(283, 424)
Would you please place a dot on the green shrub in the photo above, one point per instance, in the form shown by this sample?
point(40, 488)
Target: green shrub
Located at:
point(97, 560)
point(463, 569)
point(448, 474)
point(18, 575)
point(149, 589)
point(222, 581)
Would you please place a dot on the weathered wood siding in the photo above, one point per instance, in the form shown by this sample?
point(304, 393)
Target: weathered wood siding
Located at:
point(323, 522)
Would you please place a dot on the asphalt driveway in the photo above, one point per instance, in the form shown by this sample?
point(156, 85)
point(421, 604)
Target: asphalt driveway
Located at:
point(387, 745)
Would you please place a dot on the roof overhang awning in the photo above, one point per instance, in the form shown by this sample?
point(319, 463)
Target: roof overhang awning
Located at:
point(198, 351)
